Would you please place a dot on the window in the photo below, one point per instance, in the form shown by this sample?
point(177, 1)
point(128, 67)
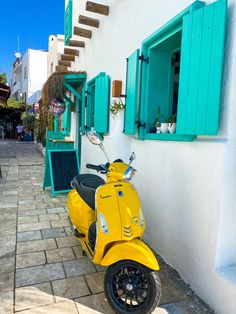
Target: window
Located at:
point(98, 101)
point(68, 22)
point(178, 73)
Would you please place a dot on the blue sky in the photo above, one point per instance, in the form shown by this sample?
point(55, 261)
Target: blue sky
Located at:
point(33, 21)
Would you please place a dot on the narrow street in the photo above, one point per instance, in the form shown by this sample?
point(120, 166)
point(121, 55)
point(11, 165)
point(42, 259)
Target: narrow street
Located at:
point(42, 269)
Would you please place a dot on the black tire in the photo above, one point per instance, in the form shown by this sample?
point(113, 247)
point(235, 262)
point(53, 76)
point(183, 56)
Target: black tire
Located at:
point(132, 288)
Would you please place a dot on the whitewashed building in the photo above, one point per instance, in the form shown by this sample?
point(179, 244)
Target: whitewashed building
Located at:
point(55, 49)
point(186, 180)
point(28, 75)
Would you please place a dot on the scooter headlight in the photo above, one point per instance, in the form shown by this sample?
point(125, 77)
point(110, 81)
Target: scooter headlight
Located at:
point(129, 173)
point(142, 220)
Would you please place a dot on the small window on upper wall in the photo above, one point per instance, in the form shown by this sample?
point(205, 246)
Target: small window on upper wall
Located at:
point(98, 102)
point(180, 76)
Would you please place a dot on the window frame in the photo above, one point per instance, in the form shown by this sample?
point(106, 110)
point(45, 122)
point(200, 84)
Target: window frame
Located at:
point(162, 34)
point(93, 97)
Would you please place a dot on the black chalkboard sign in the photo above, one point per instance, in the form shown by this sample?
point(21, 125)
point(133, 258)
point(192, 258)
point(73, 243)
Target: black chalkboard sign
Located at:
point(63, 168)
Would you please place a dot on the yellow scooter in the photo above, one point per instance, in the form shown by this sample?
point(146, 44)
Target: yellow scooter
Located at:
point(108, 219)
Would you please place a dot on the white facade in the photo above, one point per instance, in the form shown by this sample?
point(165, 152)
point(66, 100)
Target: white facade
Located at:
point(29, 76)
point(55, 49)
point(187, 189)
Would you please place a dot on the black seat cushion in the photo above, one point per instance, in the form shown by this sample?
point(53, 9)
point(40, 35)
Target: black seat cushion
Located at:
point(86, 185)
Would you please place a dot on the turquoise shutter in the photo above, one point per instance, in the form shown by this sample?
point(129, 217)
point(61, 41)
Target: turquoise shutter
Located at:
point(83, 101)
point(202, 54)
point(68, 22)
point(102, 103)
point(90, 106)
point(132, 83)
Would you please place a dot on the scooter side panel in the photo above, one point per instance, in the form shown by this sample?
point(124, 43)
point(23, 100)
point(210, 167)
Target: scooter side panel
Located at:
point(81, 215)
point(108, 212)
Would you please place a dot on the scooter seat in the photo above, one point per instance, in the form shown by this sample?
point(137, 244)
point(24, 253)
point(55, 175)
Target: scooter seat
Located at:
point(86, 185)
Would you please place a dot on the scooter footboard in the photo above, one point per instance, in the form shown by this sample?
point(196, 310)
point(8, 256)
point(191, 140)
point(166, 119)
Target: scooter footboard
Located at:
point(135, 250)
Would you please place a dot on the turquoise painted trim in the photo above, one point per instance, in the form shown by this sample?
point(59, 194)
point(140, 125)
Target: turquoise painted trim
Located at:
point(201, 70)
point(83, 103)
point(69, 100)
point(56, 123)
point(72, 90)
point(51, 173)
point(169, 29)
point(173, 23)
point(132, 85)
point(92, 81)
point(91, 90)
point(169, 137)
point(102, 103)
point(75, 78)
point(68, 22)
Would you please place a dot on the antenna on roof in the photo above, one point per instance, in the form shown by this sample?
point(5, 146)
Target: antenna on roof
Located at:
point(17, 53)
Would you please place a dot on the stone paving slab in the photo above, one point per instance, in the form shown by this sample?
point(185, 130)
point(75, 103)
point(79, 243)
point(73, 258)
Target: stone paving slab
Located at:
point(78, 267)
point(64, 307)
point(33, 296)
point(94, 304)
point(53, 233)
point(30, 259)
point(6, 302)
point(67, 241)
point(39, 274)
point(48, 272)
point(70, 288)
point(34, 246)
point(7, 264)
point(6, 281)
point(60, 255)
point(28, 235)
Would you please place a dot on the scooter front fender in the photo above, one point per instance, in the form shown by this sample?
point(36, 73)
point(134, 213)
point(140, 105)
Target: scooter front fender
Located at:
point(135, 250)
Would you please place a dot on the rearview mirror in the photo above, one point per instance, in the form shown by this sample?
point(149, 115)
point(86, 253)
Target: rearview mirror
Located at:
point(132, 158)
point(94, 137)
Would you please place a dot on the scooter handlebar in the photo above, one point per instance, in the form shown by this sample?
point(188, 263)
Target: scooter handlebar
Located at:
point(94, 167)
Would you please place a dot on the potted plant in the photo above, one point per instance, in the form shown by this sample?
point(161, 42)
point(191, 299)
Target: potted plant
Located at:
point(157, 123)
point(116, 106)
point(117, 109)
point(172, 123)
point(164, 125)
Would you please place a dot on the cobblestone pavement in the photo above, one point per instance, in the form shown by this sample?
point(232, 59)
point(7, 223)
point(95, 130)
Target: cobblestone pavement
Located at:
point(42, 269)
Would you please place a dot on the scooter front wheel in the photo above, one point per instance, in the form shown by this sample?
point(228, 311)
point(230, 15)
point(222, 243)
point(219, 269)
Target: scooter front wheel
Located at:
point(132, 288)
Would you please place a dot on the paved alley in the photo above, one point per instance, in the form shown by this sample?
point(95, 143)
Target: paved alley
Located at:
point(42, 269)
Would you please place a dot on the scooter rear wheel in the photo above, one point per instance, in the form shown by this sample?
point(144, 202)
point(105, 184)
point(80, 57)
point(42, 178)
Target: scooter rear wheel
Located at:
point(132, 288)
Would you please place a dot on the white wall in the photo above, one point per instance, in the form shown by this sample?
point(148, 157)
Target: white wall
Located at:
point(187, 190)
point(37, 73)
point(55, 49)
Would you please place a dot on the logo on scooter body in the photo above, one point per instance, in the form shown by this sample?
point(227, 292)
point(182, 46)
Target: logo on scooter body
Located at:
point(135, 220)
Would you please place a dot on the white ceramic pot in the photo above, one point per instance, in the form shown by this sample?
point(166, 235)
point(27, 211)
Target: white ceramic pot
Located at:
point(158, 129)
point(164, 127)
point(172, 127)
